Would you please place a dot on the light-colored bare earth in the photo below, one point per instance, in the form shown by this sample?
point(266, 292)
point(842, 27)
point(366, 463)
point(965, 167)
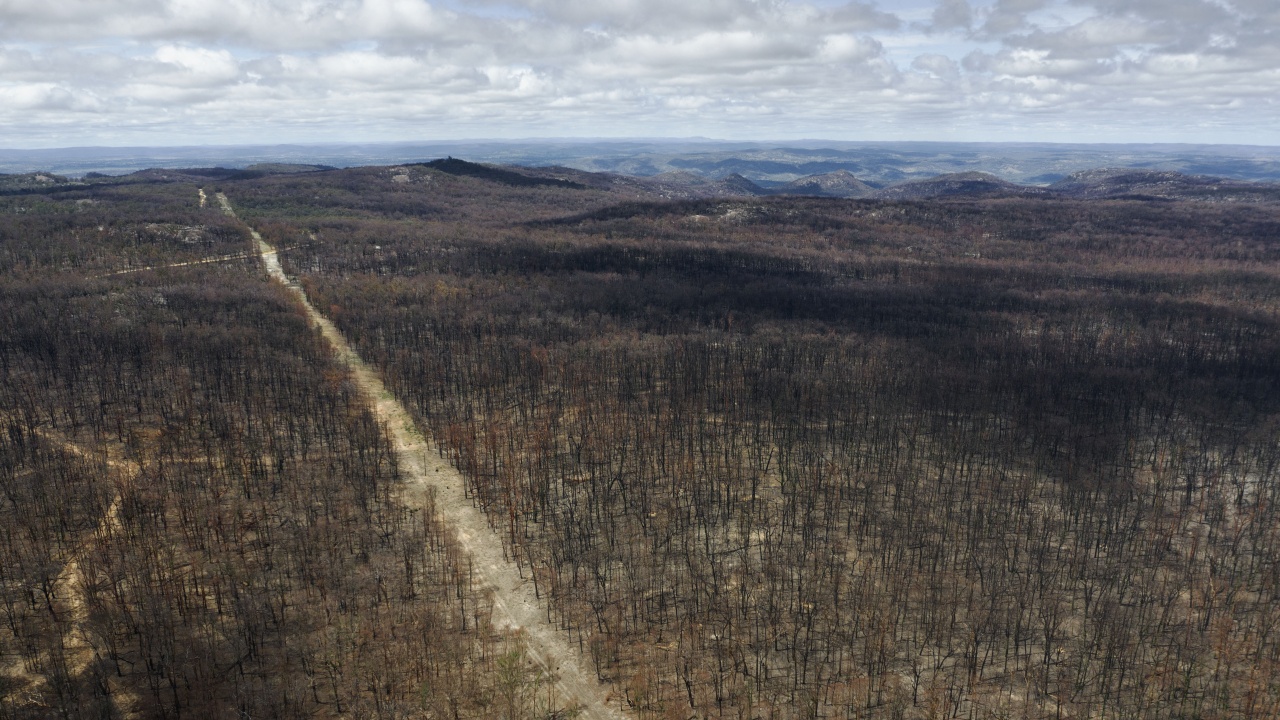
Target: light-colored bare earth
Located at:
point(201, 261)
point(516, 605)
point(69, 589)
point(69, 584)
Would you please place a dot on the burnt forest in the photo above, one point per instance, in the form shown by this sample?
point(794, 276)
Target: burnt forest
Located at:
point(959, 449)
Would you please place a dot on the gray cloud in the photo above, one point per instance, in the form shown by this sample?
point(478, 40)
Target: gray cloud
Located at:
point(1008, 16)
point(951, 15)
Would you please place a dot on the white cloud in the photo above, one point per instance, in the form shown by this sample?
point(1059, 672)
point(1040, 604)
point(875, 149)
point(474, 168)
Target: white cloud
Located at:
point(197, 66)
point(845, 48)
point(45, 96)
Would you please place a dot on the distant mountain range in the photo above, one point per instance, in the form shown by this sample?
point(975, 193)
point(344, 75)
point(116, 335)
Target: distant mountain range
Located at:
point(1095, 183)
point(1098, 183)
point(769, 165)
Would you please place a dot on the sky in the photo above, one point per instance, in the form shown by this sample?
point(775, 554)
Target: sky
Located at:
point(210, 72)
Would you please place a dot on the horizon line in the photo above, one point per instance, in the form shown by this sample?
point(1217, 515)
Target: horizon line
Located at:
point(639, 139)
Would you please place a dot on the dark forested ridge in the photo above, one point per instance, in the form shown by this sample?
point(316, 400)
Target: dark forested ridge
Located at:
point(1000, 456)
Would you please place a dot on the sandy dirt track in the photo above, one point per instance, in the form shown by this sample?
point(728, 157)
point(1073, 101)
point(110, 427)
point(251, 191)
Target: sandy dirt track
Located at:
point(201, 261)
point(68, 587)
point(515, 603)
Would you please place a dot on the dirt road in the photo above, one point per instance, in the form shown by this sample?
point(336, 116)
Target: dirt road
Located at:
point(515, 603)
point(68, 588)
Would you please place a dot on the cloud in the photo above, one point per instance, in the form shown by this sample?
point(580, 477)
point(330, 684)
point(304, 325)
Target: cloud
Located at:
point(939, 66)
point(951, 15)
point(1030, 63)
point(262, 24)
point(188, 66)
point(241, 70)
point(649, 16)
point(1008, 16)
point(47, 97)
point(847, 48)
point(732, 51)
